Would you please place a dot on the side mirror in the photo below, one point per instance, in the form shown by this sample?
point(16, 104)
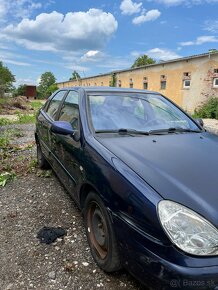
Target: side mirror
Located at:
point(64, 128)
point(200, 122)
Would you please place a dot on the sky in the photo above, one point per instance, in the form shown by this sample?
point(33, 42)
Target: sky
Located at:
point(99, 36)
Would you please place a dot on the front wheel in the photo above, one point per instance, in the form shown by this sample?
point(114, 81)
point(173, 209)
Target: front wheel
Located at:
point(100, 234)
point(42, 162)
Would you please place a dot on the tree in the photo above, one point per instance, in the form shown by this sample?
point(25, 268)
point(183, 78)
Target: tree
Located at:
point(6, 80)
point(20, 91)
point(113, 80)
point(143, 60)
point(75, 76)
point(51, 89)
point(46, 80)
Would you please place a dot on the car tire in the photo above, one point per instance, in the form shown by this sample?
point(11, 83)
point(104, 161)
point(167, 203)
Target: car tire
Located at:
point(42, 162)
point(100, 234)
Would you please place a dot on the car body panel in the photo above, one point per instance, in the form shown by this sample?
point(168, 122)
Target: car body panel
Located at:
point(162, 162)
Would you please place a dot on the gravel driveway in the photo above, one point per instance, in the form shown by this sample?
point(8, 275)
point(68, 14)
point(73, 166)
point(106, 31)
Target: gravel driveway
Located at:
point(29, 203)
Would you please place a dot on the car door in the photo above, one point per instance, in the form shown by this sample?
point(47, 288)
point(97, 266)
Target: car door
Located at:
point(67, 150)
point(45, 119)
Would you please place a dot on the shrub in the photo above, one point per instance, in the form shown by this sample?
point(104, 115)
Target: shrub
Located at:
point(208, 110)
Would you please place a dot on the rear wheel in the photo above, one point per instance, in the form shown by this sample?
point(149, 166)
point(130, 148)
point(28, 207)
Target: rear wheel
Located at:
point(100, 234)
point(42, 162)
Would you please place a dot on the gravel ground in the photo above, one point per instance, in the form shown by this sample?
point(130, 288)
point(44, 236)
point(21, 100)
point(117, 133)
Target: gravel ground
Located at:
point(29, 203)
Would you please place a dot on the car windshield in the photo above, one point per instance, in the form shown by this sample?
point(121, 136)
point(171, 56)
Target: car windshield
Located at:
point(137, 112)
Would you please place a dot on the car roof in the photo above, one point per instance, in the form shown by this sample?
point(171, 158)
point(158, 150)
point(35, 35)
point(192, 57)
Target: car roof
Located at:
point(109, 89)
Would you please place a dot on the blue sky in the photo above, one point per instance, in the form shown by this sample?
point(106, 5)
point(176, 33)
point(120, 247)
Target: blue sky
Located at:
point(98, 36)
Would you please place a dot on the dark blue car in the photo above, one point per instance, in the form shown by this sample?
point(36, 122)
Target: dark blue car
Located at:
point(144, 174)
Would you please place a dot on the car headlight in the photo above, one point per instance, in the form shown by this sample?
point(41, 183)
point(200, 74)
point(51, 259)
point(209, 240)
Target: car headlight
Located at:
point(188, 230)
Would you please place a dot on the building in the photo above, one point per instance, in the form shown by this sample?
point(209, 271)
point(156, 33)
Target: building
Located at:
point(30, 92)
point(188, 81)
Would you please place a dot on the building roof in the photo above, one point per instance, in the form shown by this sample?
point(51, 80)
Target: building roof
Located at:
point(208, 54)
point(93, 89)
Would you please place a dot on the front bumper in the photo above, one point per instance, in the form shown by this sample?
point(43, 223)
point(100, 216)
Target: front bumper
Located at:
point(163, 267)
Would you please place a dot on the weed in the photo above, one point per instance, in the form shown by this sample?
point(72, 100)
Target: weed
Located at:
point(44, 173)
point(4, 122)
point(36, 105)
point(26, 119)
point(208, 110)
point(5, 177)
point(4, 141)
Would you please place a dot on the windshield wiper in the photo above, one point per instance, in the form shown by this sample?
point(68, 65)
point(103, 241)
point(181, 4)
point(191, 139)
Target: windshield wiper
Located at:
point(123, 131)
point(131, 132)
point(173, 130)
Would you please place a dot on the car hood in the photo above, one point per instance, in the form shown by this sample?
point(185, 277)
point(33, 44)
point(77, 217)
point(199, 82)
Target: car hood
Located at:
point(180, 167)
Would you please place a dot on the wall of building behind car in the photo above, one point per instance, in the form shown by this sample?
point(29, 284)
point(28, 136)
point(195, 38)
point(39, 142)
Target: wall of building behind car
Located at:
point(188, 81)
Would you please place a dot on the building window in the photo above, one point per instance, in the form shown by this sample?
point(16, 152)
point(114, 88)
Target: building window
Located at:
point(102, 84)
point(186, 74)
point(186, 84)
point(145, 85)
point(130, 83)
point(163, 85)
point(215, 82)
point(119, 84)
point(216, 70)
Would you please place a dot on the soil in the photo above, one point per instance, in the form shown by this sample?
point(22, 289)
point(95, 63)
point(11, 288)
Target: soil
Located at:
point(31, 202)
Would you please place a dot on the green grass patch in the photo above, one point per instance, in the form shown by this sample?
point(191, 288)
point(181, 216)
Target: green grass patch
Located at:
point(4, 122)
point(36, 105)
point(26, 119)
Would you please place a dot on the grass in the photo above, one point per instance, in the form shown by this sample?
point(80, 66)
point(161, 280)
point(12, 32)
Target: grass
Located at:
point(24, 116)
point(22, 119)
point(26, 119)
point(36, 105)
point(8, 135)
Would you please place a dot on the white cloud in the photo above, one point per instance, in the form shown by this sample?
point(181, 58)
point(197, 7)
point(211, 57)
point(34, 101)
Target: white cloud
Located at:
point(128, 7)
point(200, 40)
point(150, 15)
point(18, 8)
point(211, 25)
point(15, 62)
point(162, 54)
point(186, 2)
point(54, 31)
point(92, 56)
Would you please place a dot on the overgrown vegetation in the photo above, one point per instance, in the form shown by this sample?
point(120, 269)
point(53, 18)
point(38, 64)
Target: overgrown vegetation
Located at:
point(113, 81)
point(21, 110)
point(208, 110)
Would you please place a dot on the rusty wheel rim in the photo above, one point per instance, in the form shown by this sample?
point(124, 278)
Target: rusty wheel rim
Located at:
point(97, 230)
